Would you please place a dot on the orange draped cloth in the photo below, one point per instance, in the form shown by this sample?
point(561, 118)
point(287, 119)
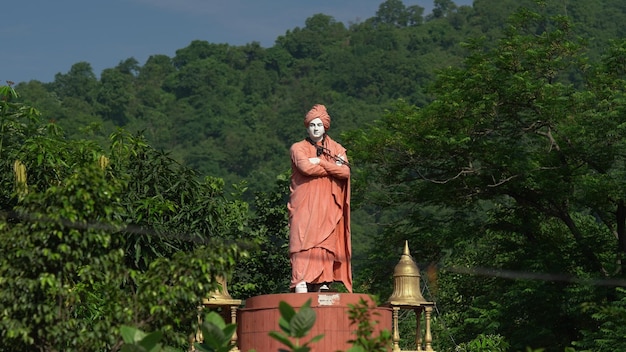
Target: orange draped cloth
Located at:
point(319, 216)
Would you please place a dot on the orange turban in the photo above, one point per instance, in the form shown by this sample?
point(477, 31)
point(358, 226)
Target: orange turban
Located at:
point(318, 110)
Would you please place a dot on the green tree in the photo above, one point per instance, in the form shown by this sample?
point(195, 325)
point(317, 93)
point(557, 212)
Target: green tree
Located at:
point(79, 82)
point(443, 8)
point(309, 42)
point(392, 12)
point(510, 168)
point(72, 266)
point(267, 269)
point(114, 96)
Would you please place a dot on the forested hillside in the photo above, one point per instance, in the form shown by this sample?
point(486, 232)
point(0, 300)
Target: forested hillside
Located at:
point(233, 111)
point(490, 136)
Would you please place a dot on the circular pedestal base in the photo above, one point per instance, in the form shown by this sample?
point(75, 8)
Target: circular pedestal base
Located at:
point(261, 315)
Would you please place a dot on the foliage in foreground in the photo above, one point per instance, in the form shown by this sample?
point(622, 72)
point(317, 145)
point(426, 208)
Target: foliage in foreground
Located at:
point(296, 326)
point(91, 241)
point(365, 341)
point(217, 335)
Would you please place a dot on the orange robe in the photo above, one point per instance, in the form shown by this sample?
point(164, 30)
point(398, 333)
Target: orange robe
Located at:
point(319, 216)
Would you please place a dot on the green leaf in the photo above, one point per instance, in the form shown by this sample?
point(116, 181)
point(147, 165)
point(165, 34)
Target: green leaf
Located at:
point(316, 338)
point(286, 314)
point(286, 311)
point(302, 322)
point(213, 335)
point(132, 348)
point(151, 341)
point(284, 325)
point(281, 338)
point(302, 349)
point(131, 334)
point(215, 319)
point(356, 349)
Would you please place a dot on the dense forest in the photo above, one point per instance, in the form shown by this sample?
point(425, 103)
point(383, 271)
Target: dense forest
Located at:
point(487, 136)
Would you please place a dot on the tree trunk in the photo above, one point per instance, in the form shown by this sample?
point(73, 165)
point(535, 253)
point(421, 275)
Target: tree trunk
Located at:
point(593, 260)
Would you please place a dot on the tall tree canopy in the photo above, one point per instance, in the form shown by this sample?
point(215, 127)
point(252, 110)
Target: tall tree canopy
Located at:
point(516, 166)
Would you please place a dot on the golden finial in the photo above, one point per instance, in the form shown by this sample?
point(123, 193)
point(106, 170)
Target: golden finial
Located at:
point(406, 282)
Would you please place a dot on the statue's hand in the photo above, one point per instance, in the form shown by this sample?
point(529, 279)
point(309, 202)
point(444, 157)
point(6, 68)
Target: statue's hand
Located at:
point(340, 160)
point(314, 161)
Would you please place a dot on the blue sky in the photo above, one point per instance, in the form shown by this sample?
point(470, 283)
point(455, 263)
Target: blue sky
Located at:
point(40, 38)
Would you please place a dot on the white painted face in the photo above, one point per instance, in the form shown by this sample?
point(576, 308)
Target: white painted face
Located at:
point(316, 130)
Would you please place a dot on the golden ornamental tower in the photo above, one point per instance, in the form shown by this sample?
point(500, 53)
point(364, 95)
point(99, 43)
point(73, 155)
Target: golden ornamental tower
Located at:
point(407, 294)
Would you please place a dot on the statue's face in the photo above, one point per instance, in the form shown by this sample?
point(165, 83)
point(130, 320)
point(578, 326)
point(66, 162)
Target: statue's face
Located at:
point(316, 130)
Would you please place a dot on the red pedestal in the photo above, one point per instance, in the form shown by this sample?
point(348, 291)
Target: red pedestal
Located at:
point(260, 316)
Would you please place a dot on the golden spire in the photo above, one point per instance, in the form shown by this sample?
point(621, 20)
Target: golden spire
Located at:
point(406, 282)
